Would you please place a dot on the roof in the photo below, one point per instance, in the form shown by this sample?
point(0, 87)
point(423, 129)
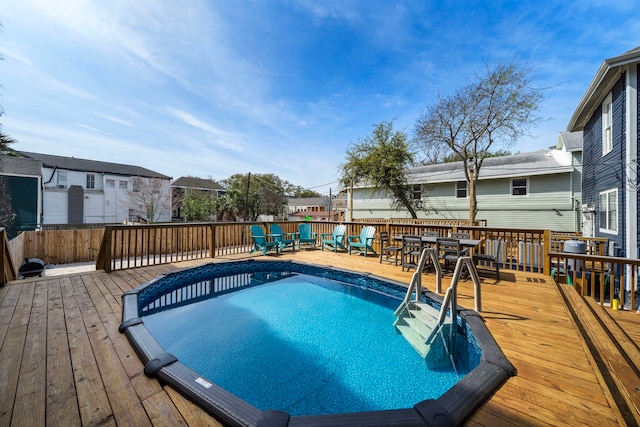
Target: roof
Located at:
point(570, 141)
point(20, 166)
point(83, 165)
point(527, 164)
point(309, 201)
point(197, 183)
point(605, 78)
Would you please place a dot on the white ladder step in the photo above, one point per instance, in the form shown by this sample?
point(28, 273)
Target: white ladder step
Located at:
point(414, 338)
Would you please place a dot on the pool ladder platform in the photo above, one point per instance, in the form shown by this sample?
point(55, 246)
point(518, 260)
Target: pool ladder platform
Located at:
point(423, 325)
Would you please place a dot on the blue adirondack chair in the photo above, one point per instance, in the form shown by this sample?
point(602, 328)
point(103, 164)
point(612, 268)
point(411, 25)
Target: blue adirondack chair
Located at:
point(260, 241)
point(362, 244)
point(335, 240)
point(306, 236)
point(283, 239)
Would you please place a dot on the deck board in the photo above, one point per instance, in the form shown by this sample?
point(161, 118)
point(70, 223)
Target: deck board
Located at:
point(65, 363)
point(30, 395)
point(61, 408)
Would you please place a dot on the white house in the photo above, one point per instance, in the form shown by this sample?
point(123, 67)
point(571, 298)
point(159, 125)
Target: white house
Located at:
point(535, 190)
point(80, 191)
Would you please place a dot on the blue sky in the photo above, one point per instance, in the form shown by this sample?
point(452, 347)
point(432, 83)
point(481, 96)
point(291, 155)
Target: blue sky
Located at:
point(212, 88)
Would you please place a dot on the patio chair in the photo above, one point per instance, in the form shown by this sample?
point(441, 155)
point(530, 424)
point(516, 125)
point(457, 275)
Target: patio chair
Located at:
point(459, 235)
point(411, 251)
point(387, 249)
point(306, 236)
point(493, 255)
point(335, 240)
point(434, 243)
point(450, 251)
point(284, 239)
point(260, 241)
point(362, 244)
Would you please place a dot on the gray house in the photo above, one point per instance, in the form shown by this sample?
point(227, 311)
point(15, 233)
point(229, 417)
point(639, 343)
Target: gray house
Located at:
point(608, 117)
point(536, 190)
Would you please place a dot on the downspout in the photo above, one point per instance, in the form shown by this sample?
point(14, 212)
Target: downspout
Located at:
point(631, 199)
point(55, 168)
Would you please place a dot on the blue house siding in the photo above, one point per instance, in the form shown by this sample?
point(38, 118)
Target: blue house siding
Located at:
point(602, 173)
point(620, 169)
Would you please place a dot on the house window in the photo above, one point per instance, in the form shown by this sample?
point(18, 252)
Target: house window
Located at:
point(609, 211)
point(461, 189)
point(607, 119)
point(417, 192)
point(62, 179)
point(91, 181)
point(123, 185)
point(519, 187)
point(136, 185)
point(111, 183)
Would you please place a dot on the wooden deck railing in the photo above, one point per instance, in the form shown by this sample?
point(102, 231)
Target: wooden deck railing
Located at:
point(128, 246)
point(611, 281)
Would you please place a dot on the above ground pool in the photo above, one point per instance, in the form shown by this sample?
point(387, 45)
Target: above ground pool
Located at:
point(279, 343)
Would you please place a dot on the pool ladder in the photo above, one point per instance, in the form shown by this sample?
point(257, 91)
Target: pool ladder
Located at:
point(422, 324)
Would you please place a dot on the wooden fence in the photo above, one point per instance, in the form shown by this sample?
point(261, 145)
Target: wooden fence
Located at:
point(58, 246)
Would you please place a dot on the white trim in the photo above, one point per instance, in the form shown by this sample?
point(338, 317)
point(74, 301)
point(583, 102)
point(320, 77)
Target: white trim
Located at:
point(607, 125)
point(631, 131)
point(605, 210)
point(526, 179)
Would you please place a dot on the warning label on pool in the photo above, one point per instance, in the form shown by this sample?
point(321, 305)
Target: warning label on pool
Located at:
point(203, 383)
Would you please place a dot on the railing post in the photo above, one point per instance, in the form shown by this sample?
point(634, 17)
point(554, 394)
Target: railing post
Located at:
point(104, 255)
point(7, 269)
point(547, 250)
point(212, 245)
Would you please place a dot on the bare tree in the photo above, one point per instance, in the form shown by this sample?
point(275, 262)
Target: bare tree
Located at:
point(491, 112)
point(150, 197)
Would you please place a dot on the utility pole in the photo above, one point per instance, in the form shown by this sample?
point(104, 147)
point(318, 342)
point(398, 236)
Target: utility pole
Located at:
point(330, 211)
point(351, 202)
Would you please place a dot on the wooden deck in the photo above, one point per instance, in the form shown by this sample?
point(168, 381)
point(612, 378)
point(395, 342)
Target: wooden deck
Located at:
point(64, 363)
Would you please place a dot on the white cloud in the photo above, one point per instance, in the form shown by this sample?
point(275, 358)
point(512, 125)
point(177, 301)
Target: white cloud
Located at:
point(219, 137)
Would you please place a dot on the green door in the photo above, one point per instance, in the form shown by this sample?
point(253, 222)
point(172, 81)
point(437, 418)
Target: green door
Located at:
point(24, 203)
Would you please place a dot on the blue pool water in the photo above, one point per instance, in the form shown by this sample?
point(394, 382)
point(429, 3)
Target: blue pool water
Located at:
point(305, 345)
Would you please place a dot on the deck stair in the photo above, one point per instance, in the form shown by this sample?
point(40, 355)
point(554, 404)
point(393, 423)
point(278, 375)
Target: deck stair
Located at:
point(611, 349)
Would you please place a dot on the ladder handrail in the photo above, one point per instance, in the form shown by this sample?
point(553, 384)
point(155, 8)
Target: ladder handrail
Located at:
point(450, 300)
point(416, 279)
